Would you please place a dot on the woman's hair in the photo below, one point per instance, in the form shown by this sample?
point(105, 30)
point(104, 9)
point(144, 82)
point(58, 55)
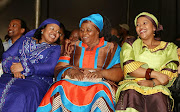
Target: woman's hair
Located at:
point(65, 31)
point(38, 33)
point(106, 31)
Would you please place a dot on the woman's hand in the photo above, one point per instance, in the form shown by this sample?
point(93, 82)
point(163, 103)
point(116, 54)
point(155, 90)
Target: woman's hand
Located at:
point(94, 74)
point(147, 83)
point(74, 73)
point(68, 47)
point(16, 67)
point(19, 75)
point(162, 78)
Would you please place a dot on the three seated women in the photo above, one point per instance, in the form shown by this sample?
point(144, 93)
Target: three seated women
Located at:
point(89, 69)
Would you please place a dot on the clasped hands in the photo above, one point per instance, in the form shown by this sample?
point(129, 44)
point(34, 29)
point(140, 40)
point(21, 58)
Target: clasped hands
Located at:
point(161, 79)
point(16, 69)
point(83, 73)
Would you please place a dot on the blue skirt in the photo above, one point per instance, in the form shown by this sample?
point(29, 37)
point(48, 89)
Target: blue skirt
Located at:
point(22, 95)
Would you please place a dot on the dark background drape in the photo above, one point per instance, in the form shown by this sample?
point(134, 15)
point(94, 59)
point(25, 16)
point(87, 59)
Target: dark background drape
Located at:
point(69, 12)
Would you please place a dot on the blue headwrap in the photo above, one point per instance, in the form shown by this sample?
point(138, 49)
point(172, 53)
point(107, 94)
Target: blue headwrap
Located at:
point(45, 22)
point(97, 19)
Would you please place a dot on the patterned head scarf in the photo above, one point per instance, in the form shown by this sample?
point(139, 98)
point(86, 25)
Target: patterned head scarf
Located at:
point(97, 19)
point(152, 18)
point(45, 22)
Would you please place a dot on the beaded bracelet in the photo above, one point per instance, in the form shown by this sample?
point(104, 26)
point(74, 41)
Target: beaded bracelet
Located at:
point(148, 73)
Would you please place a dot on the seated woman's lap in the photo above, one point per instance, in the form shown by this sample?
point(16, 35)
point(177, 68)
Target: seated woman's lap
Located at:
point(133, 99)
point(21, 93)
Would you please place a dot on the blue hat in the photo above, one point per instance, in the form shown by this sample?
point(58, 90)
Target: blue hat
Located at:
point(97, 19)
point(45, 22)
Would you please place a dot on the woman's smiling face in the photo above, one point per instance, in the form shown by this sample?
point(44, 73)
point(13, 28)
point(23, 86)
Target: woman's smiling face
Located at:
point(144, 28)
point(89, 34)
point(50, 33)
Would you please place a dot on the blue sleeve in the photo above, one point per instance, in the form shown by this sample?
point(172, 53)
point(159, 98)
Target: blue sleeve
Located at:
point(11, 55)
point(45, 68)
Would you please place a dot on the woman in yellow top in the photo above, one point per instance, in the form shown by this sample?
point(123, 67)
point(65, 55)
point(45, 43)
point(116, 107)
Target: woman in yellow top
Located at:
point(150, 67)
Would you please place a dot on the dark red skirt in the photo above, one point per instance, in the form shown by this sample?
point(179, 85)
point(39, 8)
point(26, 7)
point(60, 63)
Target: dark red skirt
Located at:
point(144, 103)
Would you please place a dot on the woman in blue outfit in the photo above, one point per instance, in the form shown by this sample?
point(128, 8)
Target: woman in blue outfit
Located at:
point(28, 68)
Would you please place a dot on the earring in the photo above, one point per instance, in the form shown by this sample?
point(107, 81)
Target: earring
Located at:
point(41, 32)
point(154, 33)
